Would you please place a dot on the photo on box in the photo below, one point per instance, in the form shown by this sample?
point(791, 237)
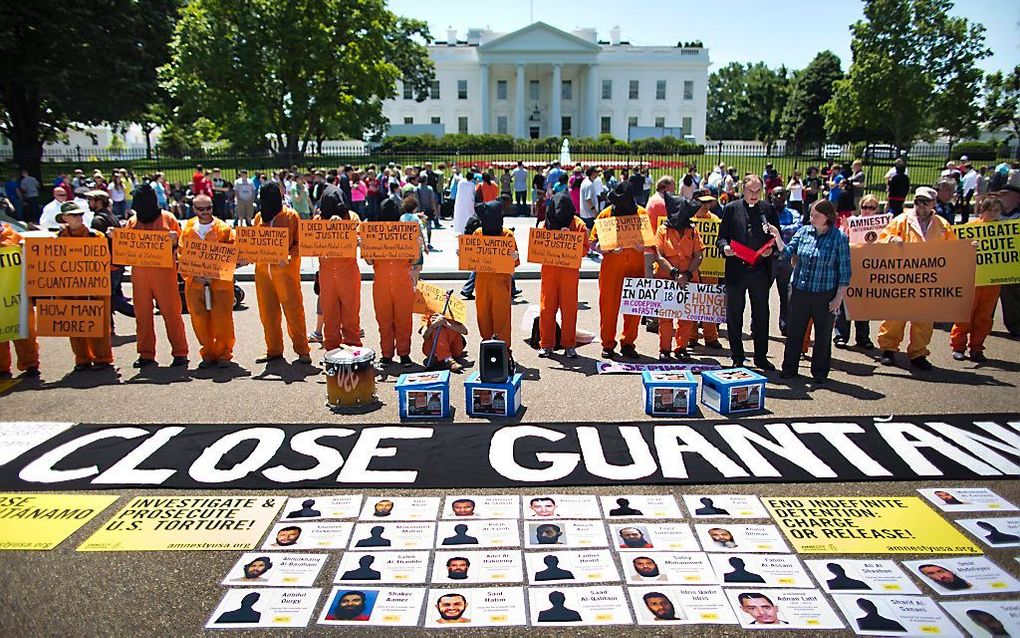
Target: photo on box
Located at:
point(846, 576)
point(740, 538)
point(782, 608)
point(659, 375)
point(725, 506)
point(894, 615)
point(540, 506)
point(679, 568)
point(393, 536)
point(571, 567)
point(494, 533)
point(675, 537)
point(478, 567)
point(472, 506)
point(423, 403)
point(673, 605)
point(641, 506)
point(763, 570)
point(565, 534)
point(994, 532)
point(315, 535)
point(986, 618)
point(599, 605)
point(488, 401)
point(475, 607)
point(423, 378)
point(746, 397)
point(734, 375)
point(271, 607)
point(967, 499)
point(958, 576)
point(308, 508)
point(372, 606)
point(382, 567)
point(400, 508)
point(275, 569)
point(667, 401)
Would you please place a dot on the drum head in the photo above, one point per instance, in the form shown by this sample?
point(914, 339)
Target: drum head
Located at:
point(349, 355)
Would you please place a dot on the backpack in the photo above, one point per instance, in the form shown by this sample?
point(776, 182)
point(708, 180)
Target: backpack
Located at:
point(535, 338)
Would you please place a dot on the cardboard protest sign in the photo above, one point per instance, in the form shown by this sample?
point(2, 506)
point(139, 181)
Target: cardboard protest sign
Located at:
point(43, 521)
point(998, 250)
point(382, 567)
point(782, 609)
point(495, 533)
point(682, 568)
point(675, 537)
point(476, 506)
point(994, 532)
point(760, 570)
point(277, 570)
point(13, 301)
point(681, 606)
point(143, 248)
point(566, 606)
point(571, 567)
point(725, 506)
point(328, 238)
point(374, 536)
point(400, 508)
point(482, 253)
point(561, 248)
point(846, 576)
point(497, 566)
point(664, 298)
point(740, 538)
point(986, 618)
point(864, 229)
point(485, 607)
point(270, 607)
point(894, 615)
point(367, 606)
point(71, 317)
point(961, 576)
point(262, 244)
point(866, 525)
point(313, 508)
point(641, 506)
point(209, 259)
point(625, 231)
point(557, 533)
point(713, 263)
point(926, 281)
point(390, 240)
point(185, 523)
point(431, 299)
point(967, 499)
point(312, 535)
point(549, 506)
point(67, 267)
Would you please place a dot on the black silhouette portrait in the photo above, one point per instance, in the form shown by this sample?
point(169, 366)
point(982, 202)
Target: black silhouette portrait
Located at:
point(708, 508)
point(873, 621)
point(244, 613)
point(375, 538)
point(460, 536)
point(364, 571)
point(553, 571)
point(988, 622)
point(841, 581)
point(558, 612)
point(624, 509)
point(307, 510)
point(995, 537)
point(740, 573)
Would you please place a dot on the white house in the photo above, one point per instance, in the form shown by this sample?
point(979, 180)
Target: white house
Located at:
point(540, 81)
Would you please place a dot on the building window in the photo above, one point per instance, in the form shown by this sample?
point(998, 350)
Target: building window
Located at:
point(607, 89)
point(533, 89)
point(687, 125)
point(501, 125)
point(462, 124)
point(565, 125)
point(631, 122)
point(533, 132)
point(461, 89)
point(660, 89)
point(633, 93)
point(660, 122)
point(437, 120)
point(567, 92)
point(688, 89)
point(408, 91)
point(501, 89)
point(606, 125)
point(434, 90)
point(408, 120)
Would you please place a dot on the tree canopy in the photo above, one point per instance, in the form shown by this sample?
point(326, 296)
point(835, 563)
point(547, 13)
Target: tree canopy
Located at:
point(802, 121)
point(1002, 101)
point(746, 102)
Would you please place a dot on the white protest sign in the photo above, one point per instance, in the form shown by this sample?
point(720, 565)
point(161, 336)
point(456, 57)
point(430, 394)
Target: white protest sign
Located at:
point(641, 506)
point(681, 606)
point(664, 298)
point(495, 533)
point(865, 229)
point(679, 568)
point(845, 575)
point(493, 607)
point(760, 569)
point(317, 535)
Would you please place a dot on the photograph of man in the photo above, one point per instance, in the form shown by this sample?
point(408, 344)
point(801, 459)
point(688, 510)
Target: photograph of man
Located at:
point(451, 608)
point(375, 538)
point(559, 611)
point(708, 508)
point(761, 608)
point(287, 536)
point(722, 537)
point(995, 537)
point(364, 570)
point(491, 402)
point(457, 568)
point(383, 508)
point(633, 538)
point(548, 534)
point(645, 569)
point(841, 581)
point(874, 621)
point(943, 577)
point(245, 613)
point(352, 605)
point(988, 622)
point(740, 573)
point(623, 508)
point(254, 570)
point(660, 605)
point(553, 571)
point(543, 507)
point(463, 507)
point(948, 498)
point(460, 536)
point(745, 398)
point(307, 510)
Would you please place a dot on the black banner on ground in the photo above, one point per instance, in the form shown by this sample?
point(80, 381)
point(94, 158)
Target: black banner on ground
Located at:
point(493, 455)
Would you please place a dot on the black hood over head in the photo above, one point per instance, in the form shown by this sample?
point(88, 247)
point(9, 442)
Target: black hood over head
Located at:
point(679, 211)
point(561, 213)
point(145, 205)
point(490, 214)
point(331, 204)
point(389, 211)
point(270, 201)
point(622, 199)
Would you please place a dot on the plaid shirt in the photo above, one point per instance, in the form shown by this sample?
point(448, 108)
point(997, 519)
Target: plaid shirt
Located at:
point(823, 261)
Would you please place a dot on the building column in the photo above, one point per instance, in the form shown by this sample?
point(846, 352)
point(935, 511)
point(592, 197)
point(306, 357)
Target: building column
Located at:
point(591, 124)
point(555, 119)
point(519, 112)
point(483, 90)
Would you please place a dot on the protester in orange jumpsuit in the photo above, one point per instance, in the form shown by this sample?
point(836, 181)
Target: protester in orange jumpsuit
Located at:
point(982, 313)
point(393, 298)
point(707, 201)
point(492, 290)
point(279, 285)
point(27, 349)
point(679, 251)
point(213, 323)
point(339, 283)
point(448, 337)
point(559, 284)
point(152, 286)
point(618, 264)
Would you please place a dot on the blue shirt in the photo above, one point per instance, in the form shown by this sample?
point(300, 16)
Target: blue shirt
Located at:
point(823, 261)
point(837, 190)
point(790, 221)
point(553, 178)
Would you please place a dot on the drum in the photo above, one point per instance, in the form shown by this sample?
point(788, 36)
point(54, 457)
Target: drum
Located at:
point(350, 377)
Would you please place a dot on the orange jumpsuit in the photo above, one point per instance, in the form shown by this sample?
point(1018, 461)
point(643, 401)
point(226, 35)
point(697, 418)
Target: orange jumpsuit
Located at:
point(279, 287)
point(450, 343)
point(27, 349)
point(890, 333)
point(711, 329)
point(493, 299)
point(615, 268)
point(92, 349)
point(559, 292)
point(393, 298)
point(340, 299)
point(214, 328)
point(157, 286)
point(679, 250)
point(982, 314)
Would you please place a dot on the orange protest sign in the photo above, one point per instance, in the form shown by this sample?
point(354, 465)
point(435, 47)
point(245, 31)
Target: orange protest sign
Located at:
point(262, 244)
point(71, 317)
point(328, 238)
point(146, 248)
point(563, 248)
point(625, 231)
point(210, 259)
point(430, 299)
point(390, 240)
point(67, 267)
point(482, 253)
point(926, 281)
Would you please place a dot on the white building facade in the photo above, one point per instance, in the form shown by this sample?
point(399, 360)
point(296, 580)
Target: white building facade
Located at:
point(541, 82)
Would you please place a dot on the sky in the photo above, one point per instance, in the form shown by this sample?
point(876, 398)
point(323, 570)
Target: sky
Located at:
point(790, 35)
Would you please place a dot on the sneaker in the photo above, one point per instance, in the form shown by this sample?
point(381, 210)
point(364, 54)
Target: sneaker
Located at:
point(628, 350)
point(976, 357)
point(866, 344)
point(570, 353)
point(608, 353)
point(958, 355)
point(467, 295)
point(682, 354)
point(714, 344)
point(205, 364)
point(7, 374)
point(304, 358)
point(33, 372)
point(545, 353)
point(921, 363)
point(405, 360)
point(664, 355)
point(839, 342)
point(314, 337)
point(142, 363)
point(178, 362)
point(888, 358)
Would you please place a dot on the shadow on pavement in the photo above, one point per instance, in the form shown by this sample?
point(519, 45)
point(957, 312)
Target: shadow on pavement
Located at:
point(222, 375)
point(161, 375)
point(85, 380)
point(281, 370)
point(119, 340)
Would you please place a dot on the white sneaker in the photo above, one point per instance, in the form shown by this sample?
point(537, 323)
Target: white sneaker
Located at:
point(545, 353)
point(570, 353)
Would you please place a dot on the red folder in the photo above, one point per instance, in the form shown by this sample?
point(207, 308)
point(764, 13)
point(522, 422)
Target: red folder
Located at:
point(748, 255)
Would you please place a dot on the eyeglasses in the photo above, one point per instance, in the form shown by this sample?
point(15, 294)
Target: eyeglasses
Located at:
point(202, 209)
point(923, 201)
point(869, 207)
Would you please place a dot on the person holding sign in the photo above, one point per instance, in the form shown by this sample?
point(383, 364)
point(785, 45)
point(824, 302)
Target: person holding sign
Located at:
point(339, 283)
point(912, 226)
point(559, 284)
point(707, 202)
point(154, 286)
point(210, 301)
point(869, 207)
point(679, 252)
point(27, 349)
point(982, 313)
point(94, 353)
point(393, 297)
point(493, 290)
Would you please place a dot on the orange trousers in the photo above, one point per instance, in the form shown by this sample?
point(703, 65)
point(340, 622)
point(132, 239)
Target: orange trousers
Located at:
point(682, 334)
point(890, 335)
point(279, 287)
point(615, 268)
point(492, 303)
point(982, 314)
point(96, 349)
point(27, 349)
point(340, 300)
point(559, 292)
point(151, 287)
point(711, 331)
point(450, 344)
point(393, 298)
point(214, 328)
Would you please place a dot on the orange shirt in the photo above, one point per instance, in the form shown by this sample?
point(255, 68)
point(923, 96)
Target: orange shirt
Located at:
point(220, 232)
point(678, 249)
point(286, 218)
point(9, 236)
point(166, 221)
point(489, 191)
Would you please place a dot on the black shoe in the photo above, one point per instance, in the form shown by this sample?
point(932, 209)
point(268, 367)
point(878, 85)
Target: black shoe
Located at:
point(608, 353)
point(888, 358)
point(921, 363)
point(782, 330)
point(652, 326)
point(764, 364)
point(386, 361)
point(958, 355)
point(141, 363)
point(664, 355)
point(405, 361)
point(693, 343)
point(714, 345)
point(840, 343)
point(467, 295)
point(737, 363)
point(682, 354)
point(80, 367)
point(205, 364)
point(787, 375)
point(268, 358)
point(976, 357)
point(97, 367)
point(222, 364)
point(866, 345)
point(178, 362)
point(820, 380)
point(33, 372)
point(628, 350)
point(7, 375)
point(305, 359)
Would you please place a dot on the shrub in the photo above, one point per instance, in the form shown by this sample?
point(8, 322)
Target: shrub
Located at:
point(975, 150)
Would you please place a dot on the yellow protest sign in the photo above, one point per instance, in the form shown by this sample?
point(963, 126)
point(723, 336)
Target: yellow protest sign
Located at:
point(211, 259)
point(71, 317)
point(713, 263)
point(390, 240)
point(430, 299)
point(67, 267)
point(144, 248)
point(262, 244)
point(625, 231)
point(13, 308)
point(563, 248)
point(186, 523)
point(998, 250)
point(866, 525)
point(43, 521)
point(328, 238)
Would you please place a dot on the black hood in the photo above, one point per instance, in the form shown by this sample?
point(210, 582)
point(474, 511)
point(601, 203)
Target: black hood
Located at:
point(622, 199)
point(490, 214)
point(389, 211)
point(331, 204)
point(562, 212)
point(145, 205)
point(679, 211)
point(270, 201)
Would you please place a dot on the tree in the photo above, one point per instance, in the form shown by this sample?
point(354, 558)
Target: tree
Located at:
point(76, 65)
point(803, 122)
point(746, 102)
point(294, 71)
point(1002, 101)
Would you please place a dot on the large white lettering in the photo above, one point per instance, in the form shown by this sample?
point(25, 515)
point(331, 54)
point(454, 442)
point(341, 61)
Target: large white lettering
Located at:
point(367, 448)
point(786, 445)
point(501, 455)
point(126, 472)
point(268, 441)
point(307, 443)
point(41, 470)
point(673, 441)
point(642, 462)
point(836, 435)
point(896, 435)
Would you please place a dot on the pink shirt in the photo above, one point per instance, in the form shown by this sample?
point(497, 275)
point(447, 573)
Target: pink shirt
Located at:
point(358, 191)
